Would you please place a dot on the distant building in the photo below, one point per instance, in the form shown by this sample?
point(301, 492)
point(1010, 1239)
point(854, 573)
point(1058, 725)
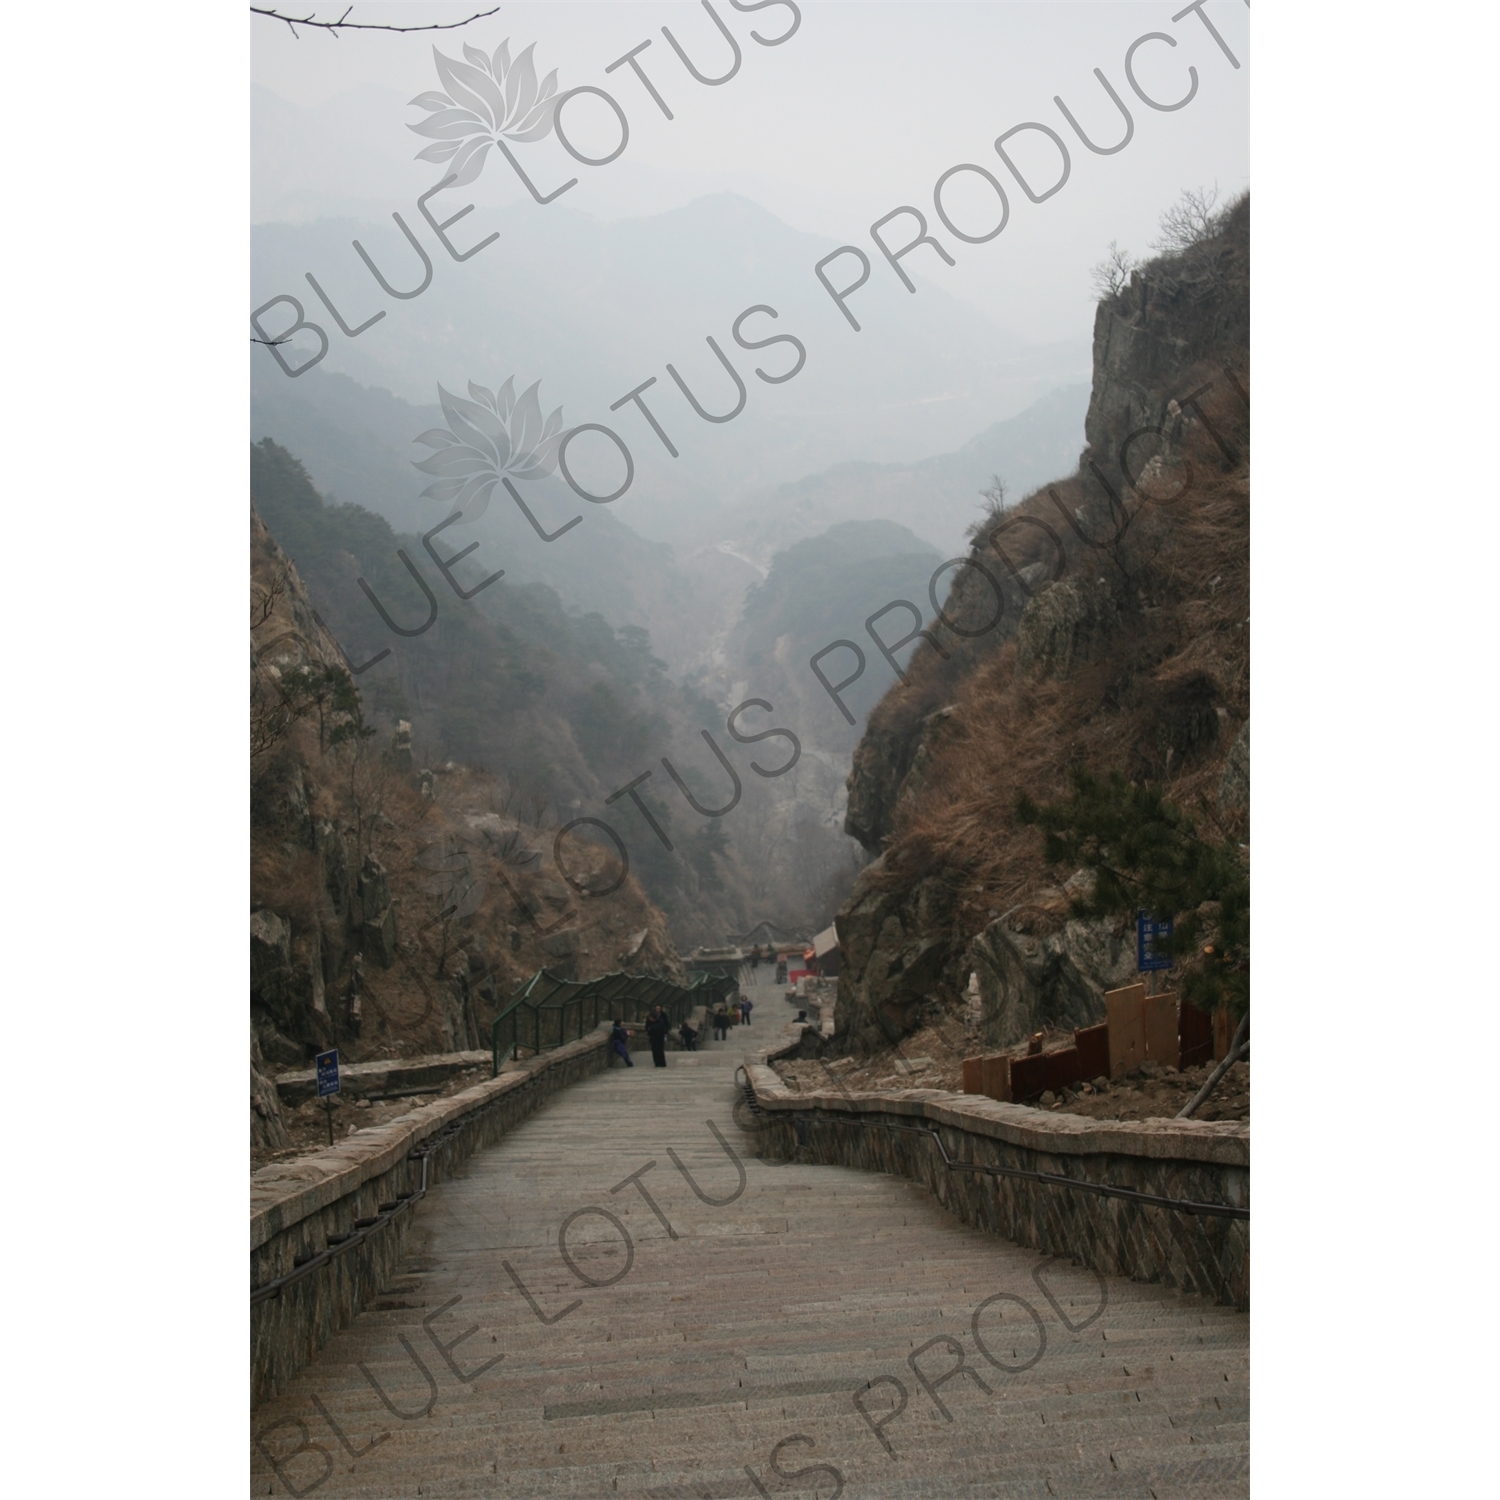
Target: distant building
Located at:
point(705, 956)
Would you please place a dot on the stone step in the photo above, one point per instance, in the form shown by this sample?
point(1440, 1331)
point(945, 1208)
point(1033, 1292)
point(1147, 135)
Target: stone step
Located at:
point(756, 1323)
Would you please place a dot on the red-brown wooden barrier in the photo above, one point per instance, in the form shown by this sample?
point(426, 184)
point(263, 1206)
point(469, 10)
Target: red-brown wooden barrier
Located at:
point(1195, 1032)
point(1138, 1028)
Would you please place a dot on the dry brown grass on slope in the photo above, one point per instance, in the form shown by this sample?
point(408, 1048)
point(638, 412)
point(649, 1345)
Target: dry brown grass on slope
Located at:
point(288, 880)
point(299, 779)
point(418, 840)
point(409, 832)
point(1181, 649)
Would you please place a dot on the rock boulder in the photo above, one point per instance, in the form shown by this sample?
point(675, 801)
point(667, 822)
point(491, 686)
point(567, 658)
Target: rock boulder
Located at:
point(268, 1130)
point(895, 949)
point(1037, 967)
point(270, 960)
point(378, 917)
point(1066, 625)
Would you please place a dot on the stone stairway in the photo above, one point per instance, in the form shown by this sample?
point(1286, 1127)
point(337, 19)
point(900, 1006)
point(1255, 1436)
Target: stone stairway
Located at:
point(713, 1339)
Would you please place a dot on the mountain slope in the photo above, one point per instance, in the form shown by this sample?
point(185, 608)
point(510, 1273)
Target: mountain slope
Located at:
point(356, 444)
point(557, 703)
point(594, 309)
point(394, 912)
point(937, 497)
point(1123, 646)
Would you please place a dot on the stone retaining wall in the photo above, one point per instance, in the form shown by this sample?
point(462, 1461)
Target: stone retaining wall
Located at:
point(359, 1080)
point(1197, 1160)
point(295, 1206)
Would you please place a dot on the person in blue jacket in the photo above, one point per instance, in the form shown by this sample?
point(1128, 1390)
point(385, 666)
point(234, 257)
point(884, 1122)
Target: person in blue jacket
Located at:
point(620, 1040)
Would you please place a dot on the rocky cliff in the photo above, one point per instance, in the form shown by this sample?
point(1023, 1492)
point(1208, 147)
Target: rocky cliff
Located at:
point(394, 908)
point(1102, 622)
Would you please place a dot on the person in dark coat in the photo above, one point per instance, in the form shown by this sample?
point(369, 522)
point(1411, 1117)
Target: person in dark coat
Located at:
point(620, 1040)
point(746, 1006)
point(657, 1026)
point(721, 1023)
point(689, 1037)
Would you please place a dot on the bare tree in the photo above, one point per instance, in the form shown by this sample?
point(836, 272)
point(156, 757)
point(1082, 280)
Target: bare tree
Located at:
point(1112, 273)
point(457, 885)
point(1194, 218)
point(370, 784)
point(263, 601)
point(994, 496)
point(994, 493)
point(277, 701)
point(271, 714)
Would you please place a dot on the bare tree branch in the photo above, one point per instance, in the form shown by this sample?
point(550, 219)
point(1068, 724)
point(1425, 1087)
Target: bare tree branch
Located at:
point(263, 601)
point(1237, 1049)
point(344, 24)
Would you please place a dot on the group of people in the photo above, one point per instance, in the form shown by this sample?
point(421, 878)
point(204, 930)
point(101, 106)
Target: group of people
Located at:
point(723, 1020)
point(658, 1025)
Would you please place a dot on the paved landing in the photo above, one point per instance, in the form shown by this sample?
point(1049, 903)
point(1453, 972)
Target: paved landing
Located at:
point(755, 1329)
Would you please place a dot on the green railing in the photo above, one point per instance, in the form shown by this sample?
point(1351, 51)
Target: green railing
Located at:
point(547, 1011)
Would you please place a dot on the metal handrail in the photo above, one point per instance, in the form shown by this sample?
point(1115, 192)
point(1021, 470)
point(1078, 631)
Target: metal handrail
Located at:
point(629, 995)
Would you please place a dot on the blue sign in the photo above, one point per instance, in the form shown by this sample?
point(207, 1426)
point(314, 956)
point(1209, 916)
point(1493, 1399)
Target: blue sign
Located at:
point(1152, 940)
point(328, 1073)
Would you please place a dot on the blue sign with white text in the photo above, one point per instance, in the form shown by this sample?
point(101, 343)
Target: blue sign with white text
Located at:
point(328, 1073)
point(1152, 939)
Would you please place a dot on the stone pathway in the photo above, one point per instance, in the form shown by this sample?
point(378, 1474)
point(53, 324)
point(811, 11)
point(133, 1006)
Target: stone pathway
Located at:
point(750, 1329)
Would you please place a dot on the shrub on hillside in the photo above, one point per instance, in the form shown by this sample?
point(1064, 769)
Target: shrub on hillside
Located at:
point(1146, 854)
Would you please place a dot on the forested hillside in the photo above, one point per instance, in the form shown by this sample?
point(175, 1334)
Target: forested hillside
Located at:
point(557, 703)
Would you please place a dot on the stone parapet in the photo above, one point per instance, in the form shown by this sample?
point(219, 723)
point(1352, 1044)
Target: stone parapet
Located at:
point(362, 1079)
point(1193, 1161)
point(297, 1207)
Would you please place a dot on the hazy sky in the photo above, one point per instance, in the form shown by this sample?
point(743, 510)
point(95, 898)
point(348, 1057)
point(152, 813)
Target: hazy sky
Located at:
point(856, 114)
